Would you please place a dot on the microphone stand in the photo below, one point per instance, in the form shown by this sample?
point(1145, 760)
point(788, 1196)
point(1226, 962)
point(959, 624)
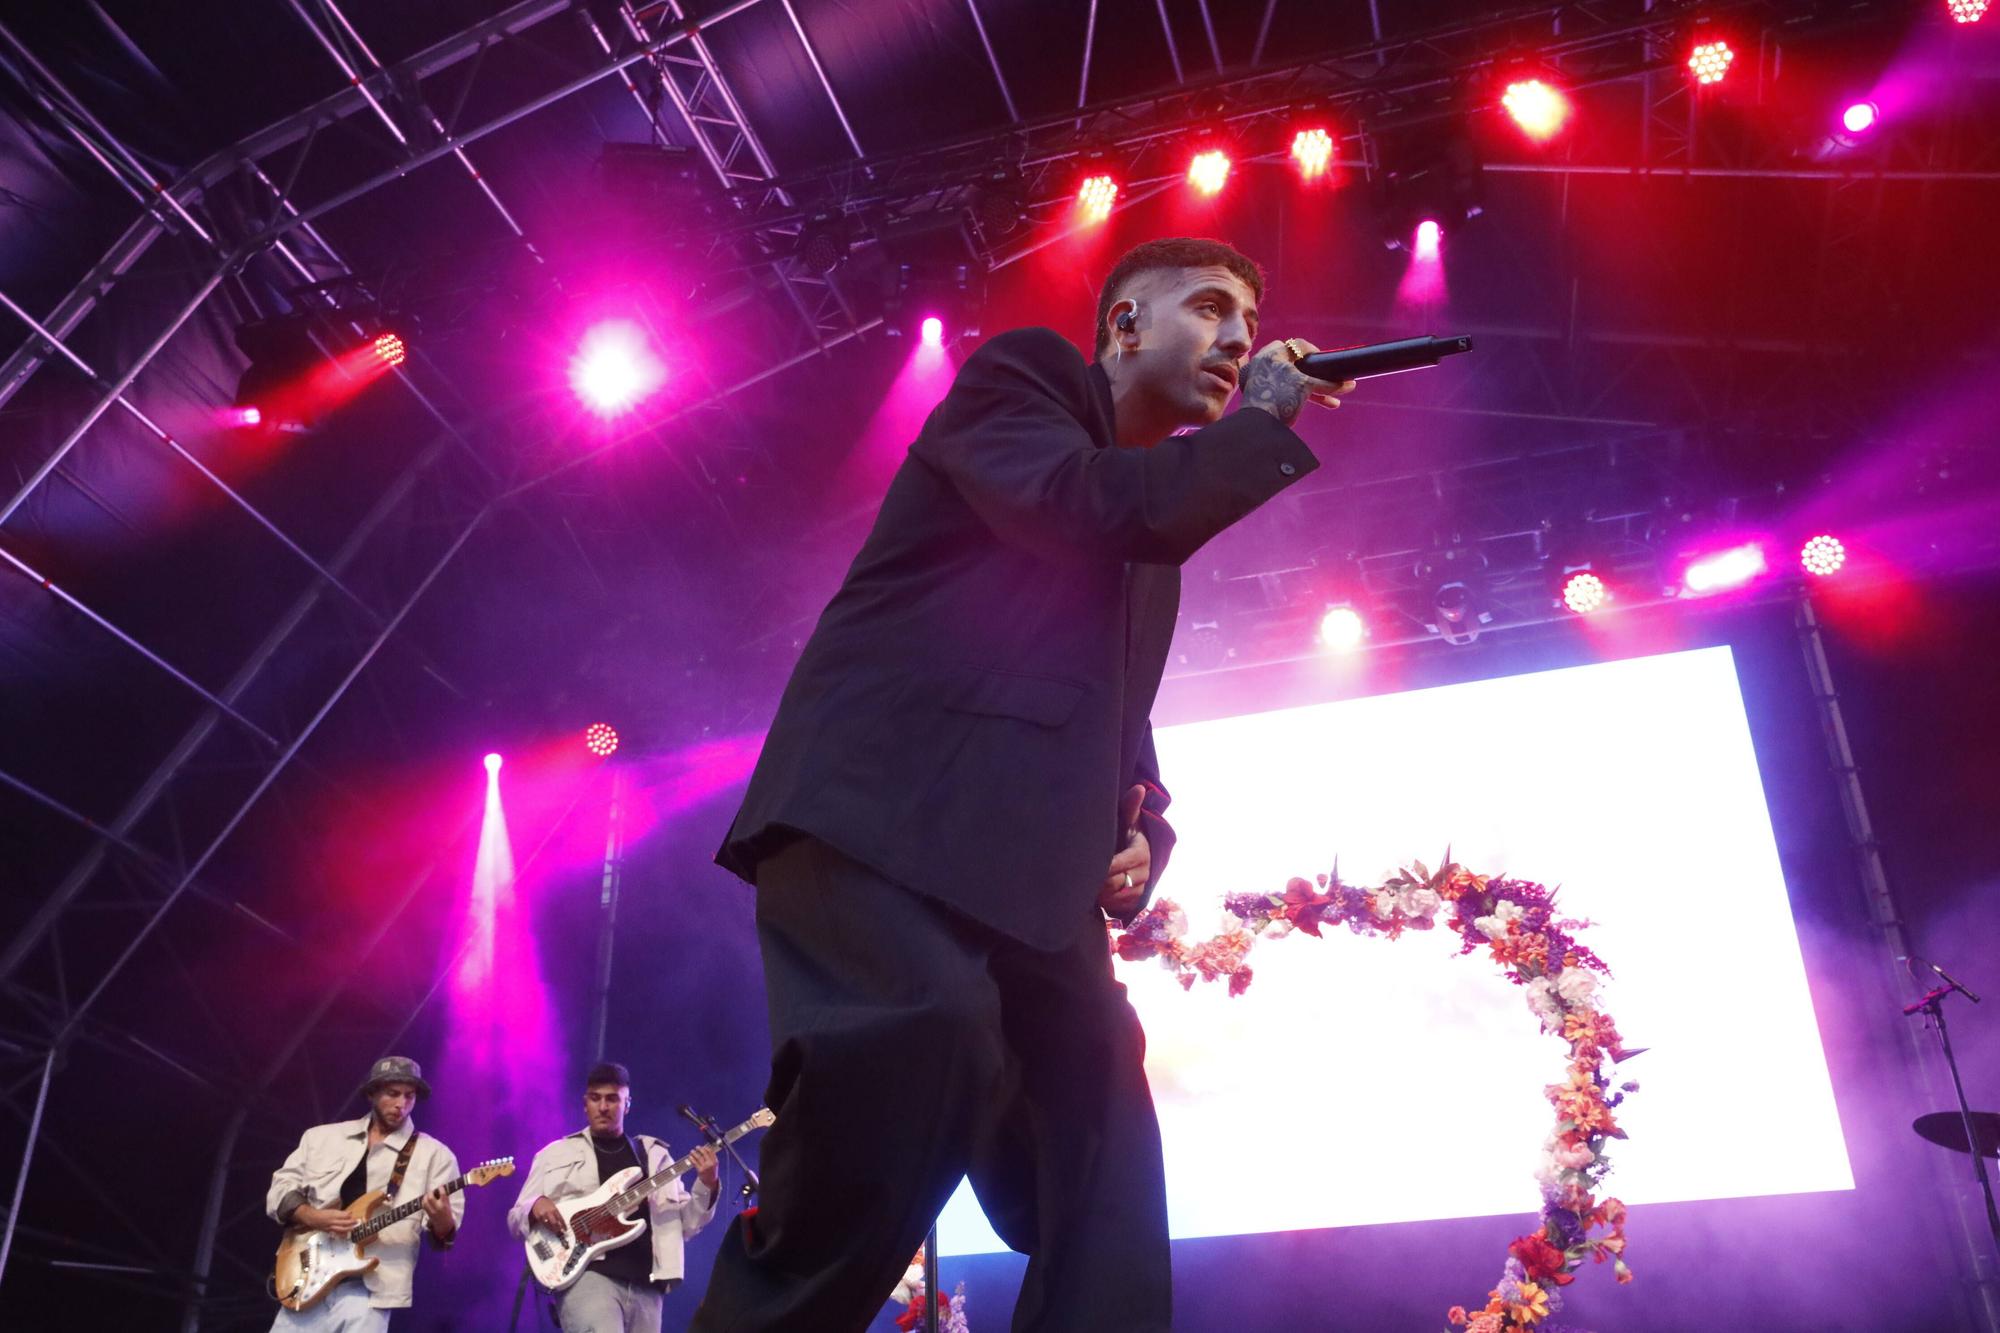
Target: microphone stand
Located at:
point(1933, 1005)
point(931, 1281)
point(714, 1135)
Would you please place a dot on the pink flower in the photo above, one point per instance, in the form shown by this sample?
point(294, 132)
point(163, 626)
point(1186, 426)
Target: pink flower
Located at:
point(1573, 1156)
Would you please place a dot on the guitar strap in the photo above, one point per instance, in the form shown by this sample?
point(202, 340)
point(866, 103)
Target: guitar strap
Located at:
point(402, 1165)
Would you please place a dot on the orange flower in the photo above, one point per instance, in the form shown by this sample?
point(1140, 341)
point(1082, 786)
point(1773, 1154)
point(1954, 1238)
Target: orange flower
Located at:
point(1531, 1306)
point(1580, 1101)
point(1590, 1034)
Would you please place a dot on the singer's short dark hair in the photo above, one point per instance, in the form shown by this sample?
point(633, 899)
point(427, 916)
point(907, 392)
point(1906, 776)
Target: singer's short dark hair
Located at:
point(1174, 252)
point(606, 1071)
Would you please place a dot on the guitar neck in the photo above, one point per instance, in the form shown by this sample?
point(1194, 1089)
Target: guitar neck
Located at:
point(388, 1217)
point(678, 1167)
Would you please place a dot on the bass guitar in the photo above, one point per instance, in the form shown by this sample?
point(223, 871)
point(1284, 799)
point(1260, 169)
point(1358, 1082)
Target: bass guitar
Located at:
point(600, 1220)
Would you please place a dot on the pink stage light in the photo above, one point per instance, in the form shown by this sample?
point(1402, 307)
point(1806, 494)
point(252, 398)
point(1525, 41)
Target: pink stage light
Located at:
point(614, 368)
point(1860, 117)
point(932, 331)
point(601, 739)
point(1422, 283)
point(1537, 108)
point(1822, 555)
point(251, 415)
point(493, 763)
point(1313, 151)
point(1583, 592)
point(1966, 11)
point(1209, 171)
point(1095, 197)
point(1709, 62)
point(389, 348)
point(1342, 629)
point(1724, 570)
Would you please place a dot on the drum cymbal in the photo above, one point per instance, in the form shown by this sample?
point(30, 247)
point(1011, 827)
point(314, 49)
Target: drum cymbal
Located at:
point(1947, 1130)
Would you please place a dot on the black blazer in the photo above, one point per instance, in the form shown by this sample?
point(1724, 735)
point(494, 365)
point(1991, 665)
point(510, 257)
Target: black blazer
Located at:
point(974, 700)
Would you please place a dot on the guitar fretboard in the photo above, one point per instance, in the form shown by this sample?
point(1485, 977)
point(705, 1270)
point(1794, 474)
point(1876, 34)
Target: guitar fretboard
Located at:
point(388, 1217)
point(619, 1203)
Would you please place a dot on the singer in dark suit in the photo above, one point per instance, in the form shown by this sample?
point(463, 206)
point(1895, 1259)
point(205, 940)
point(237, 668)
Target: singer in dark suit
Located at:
point(960, 783)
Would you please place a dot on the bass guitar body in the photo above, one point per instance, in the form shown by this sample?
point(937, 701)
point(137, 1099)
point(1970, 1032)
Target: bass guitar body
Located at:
point(589, 1229)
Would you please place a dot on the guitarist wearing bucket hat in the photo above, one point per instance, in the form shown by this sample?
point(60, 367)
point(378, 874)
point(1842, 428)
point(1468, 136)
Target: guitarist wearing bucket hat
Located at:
point(336, 1164)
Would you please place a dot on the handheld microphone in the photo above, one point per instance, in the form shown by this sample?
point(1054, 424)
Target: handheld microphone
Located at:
point(1360, 363)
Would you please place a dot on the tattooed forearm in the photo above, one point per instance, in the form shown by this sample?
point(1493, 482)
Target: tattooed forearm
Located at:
point(1275, 387)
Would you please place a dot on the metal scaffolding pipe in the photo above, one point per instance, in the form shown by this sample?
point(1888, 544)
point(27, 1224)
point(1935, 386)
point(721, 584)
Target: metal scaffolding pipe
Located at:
point(198, 733)
point(1215, 47)
point(114, 392)
point(219, 166)
point(75, 604)
point(1263, 33)
point(1089, 40)
point(354, 77)
point(500, 122)
point(27, 1160)
point(278, 766)
point(1006, 96)
point(826, 84)
point(590, 26)
point(81, 299)
point(54, 340)
point(159, 433)
point(75, 816)
point(74, 107)
point(1173, 48)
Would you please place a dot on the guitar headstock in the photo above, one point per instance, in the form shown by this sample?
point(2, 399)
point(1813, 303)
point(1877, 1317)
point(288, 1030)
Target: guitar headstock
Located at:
point(761, 1118)
point(490, 1170)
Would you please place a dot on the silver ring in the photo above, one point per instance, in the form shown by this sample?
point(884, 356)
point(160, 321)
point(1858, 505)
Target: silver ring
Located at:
point(1128, 879)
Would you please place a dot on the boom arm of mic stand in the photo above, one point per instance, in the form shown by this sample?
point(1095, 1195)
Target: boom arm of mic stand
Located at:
point(716, 1137)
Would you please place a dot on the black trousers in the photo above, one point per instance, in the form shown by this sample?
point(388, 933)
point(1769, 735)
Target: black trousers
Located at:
point(910, 1047)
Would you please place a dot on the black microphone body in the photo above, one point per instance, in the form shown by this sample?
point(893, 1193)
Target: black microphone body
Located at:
point(1360, 363)
point(1955, 982)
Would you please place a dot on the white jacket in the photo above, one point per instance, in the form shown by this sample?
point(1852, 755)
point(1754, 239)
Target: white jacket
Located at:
point(568, 1168)
point(326, 1155)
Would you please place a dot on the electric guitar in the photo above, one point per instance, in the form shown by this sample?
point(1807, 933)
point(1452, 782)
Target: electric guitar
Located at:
point(311, 1262)
point(595, 1222)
